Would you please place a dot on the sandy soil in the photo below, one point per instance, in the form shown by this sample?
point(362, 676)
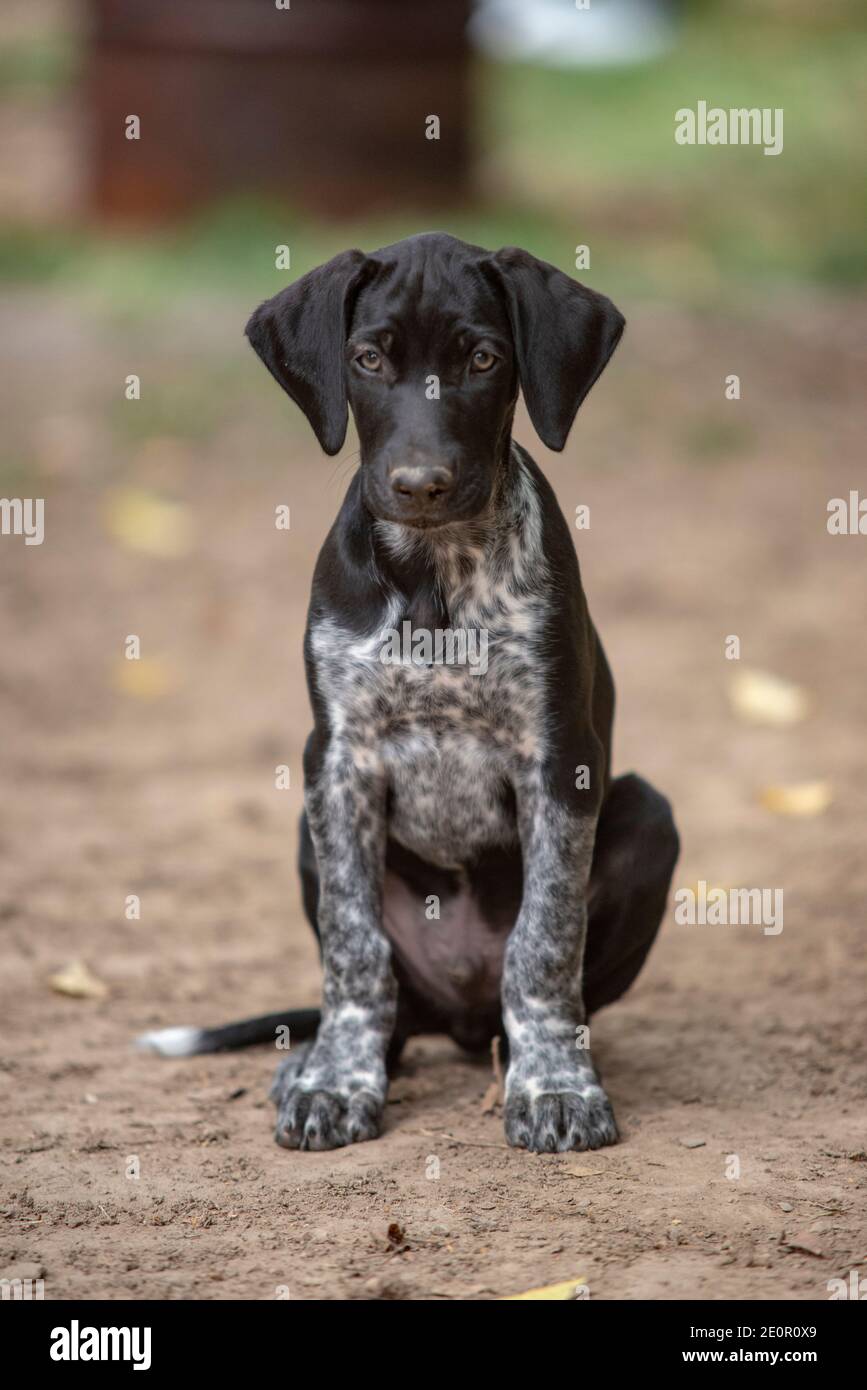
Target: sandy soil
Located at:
point(707, 519)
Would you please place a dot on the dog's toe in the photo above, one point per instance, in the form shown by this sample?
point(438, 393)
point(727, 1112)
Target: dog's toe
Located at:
point(363, 1118)
point(309, 1120)
point(591, 1124)
point(324, 1126)
point(287, 1073)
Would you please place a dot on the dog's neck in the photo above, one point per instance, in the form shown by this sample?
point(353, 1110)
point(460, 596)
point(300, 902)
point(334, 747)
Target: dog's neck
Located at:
point(460, 545)
point(437, 571)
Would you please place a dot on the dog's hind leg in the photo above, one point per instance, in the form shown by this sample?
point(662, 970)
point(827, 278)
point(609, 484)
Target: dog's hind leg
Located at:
point(634, 857)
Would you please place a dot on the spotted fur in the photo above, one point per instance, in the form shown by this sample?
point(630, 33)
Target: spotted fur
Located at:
point(443, 746)
point(429, 782)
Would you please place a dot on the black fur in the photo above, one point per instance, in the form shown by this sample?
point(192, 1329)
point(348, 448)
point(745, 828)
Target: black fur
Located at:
point(561, 886)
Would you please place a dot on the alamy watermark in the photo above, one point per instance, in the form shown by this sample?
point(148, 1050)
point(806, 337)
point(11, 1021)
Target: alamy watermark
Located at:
point(739, 125)
point(422, 646)
point(77, 1343)
point(23, 516)
point(847, 516)
point(721, 907)
point(21, 1290)
point(855, 1289)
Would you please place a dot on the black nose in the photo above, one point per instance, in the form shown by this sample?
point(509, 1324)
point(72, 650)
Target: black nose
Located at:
point(422, 483)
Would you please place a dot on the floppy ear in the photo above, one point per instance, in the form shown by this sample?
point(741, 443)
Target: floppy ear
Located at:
point(564, 335)
point(300, 336)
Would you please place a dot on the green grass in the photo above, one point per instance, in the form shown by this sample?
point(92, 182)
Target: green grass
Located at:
point(599, 147)
point(580, 156)
point(232, 249)
point(38, 67)
point(192, 407)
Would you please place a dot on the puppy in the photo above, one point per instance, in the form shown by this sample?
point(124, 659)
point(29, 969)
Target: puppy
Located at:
point(468, 863)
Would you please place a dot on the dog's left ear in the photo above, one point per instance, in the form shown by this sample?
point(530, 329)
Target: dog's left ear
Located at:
point(300, 336)
point(564, 335)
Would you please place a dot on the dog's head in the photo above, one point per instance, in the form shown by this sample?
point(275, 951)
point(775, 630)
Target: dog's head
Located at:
point(428, 341)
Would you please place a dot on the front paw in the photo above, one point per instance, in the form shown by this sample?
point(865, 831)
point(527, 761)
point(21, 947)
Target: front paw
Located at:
point(554, 1121)
point(322, 1117)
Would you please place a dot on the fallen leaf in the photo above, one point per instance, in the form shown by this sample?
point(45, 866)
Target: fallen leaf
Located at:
point(797, 799)
point(702, 889)
point(493, 1097)
point(567, 1290)
point(760, 698)
point(805, 1244)
point(396, 1236)
point(78, 981)
point(145, 678)
point(146, 522)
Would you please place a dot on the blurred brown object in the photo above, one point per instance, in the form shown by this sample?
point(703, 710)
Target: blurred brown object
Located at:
point(324, 103)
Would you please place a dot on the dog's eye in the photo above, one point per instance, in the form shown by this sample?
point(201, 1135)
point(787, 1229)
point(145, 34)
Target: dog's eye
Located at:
point(483, 360)
point(369, 359)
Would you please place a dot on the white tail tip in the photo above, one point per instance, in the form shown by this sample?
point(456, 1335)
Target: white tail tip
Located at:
point(170, 1042)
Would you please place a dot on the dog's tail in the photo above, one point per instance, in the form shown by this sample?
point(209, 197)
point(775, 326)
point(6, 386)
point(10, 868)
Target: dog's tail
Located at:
point(189, 1042)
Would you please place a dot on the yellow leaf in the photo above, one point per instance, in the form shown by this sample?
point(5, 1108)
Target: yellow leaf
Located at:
point(144, 521)
point(760, 698)
point(568, 1291)
point(703, 887)
point(78, 980)
point(146, 678)
point(798, 799)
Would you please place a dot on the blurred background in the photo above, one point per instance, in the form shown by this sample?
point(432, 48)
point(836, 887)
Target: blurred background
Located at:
point(306, 129)
point(270, 119)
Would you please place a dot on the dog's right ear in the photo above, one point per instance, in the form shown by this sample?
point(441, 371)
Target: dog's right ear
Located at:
point(300, 336)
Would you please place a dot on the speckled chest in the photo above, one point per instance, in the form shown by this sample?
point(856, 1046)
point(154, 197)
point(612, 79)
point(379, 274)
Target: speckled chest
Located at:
point(450, 739)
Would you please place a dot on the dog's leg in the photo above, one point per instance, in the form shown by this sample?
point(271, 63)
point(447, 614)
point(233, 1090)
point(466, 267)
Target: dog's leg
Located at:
point(553, 1097)
point(633, 861)
point(337, 1094)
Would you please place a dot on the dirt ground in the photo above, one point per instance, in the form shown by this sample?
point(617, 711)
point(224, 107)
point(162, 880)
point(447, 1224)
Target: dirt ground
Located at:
point(708, 518)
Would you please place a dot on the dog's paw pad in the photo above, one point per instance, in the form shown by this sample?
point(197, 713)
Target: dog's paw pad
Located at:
point(559, 1121)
